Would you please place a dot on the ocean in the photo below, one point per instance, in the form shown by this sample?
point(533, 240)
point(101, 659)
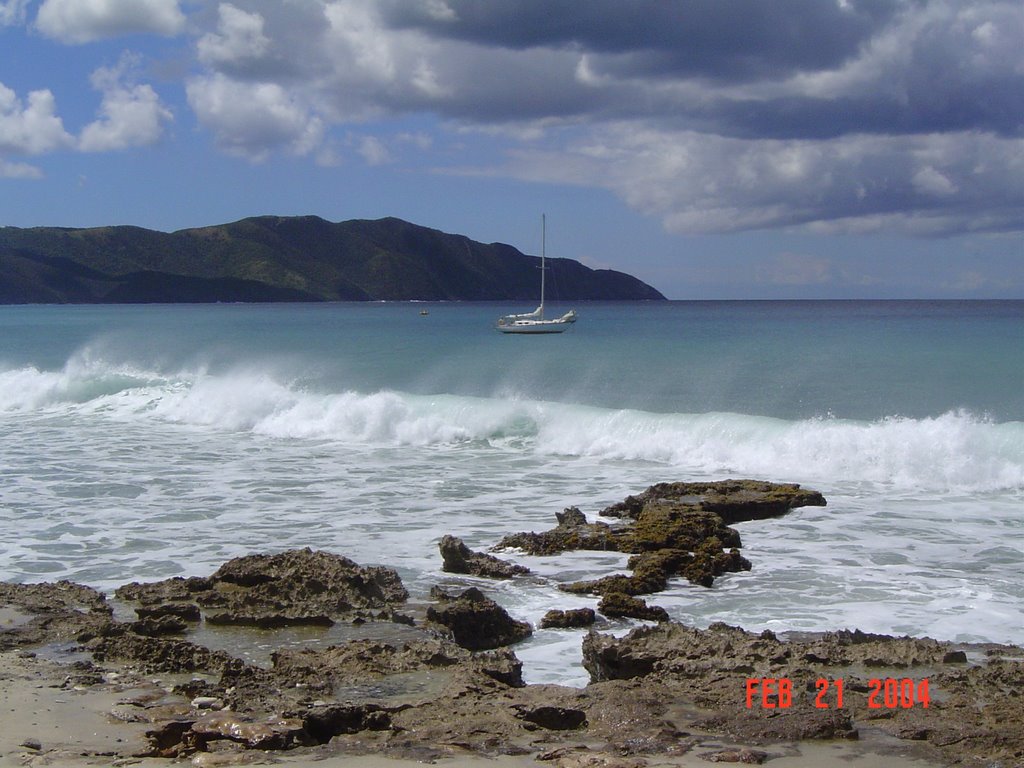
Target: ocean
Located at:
point(143, 442)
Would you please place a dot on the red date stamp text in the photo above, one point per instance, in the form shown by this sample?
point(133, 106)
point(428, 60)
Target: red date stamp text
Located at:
point(882, 693)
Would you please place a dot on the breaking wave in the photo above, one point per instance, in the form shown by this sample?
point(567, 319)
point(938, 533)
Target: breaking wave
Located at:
point(957, 450)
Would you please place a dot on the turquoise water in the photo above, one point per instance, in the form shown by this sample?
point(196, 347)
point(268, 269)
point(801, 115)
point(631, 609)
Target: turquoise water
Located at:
point(861, 360)
point(143, 442)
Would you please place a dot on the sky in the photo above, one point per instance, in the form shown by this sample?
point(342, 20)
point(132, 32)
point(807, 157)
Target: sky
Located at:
point(716, 149)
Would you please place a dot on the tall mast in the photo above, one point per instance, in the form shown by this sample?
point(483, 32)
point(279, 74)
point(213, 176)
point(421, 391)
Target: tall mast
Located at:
point(543, 269)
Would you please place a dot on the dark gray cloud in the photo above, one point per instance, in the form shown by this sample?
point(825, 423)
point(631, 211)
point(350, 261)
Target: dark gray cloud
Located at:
point(996, 106)
point(714, 39)
point(787, 69)
point(753, 68)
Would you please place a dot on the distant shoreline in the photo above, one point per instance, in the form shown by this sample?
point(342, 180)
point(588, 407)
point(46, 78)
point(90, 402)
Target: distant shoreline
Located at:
point(505, 302)
point(286, 259)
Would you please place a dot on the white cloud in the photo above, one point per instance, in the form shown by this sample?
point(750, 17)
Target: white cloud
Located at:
point(929, 181)
point(131, 115)
point(279, 79)
point(10, 170)
point(83, 21)
point(249, 119)
point(359, 41)
point(439, 10)
point(374, 151)
point(420, 140)
point(12, 12)
point(425, 80)
point(697, 183)
point(239, 38)
point(33, 128)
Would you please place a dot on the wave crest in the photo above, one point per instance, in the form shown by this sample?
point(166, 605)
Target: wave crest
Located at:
point(953, 451)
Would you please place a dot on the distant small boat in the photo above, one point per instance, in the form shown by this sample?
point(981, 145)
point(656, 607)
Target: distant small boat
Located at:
point(424, 312)
point(534, 322)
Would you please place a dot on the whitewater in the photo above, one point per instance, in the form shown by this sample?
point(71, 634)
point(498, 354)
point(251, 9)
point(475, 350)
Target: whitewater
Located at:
point(143, 442)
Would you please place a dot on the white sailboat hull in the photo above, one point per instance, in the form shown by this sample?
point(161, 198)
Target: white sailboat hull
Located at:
point(527, 323)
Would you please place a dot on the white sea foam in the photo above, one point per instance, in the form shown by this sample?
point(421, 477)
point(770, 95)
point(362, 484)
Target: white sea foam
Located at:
point(955, 451)
point(114, 473)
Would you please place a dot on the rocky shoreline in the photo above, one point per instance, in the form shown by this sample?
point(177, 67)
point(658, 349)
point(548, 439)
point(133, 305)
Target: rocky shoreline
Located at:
point(440, 678)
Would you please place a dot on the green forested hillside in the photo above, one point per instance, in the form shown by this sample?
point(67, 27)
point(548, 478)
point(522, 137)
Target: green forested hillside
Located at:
point(271, 258)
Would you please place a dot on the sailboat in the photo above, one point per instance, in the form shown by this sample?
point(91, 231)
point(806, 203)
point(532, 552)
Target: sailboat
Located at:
point(534, 322)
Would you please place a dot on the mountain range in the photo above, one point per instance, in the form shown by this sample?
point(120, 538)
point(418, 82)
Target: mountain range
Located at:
point(294, 258)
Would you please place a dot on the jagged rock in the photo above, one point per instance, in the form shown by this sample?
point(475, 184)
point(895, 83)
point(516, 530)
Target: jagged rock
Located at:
point(576, 617)
point(166, 740)
point(712, 665)
point(368, 660)
point(734, 501)
point(571, 517)
point(737, 501)
point(304, 575)
point(183, 611)
point(361, 660)
point(490, 718)
point(269, 733)
point(664, 527)
point(676, 529)
point(565, 537)
point(500, 664)
point(270, 620)
point(576, 757)
point(615, 584)
point(745, 756)
point(293, 587)
point(156, 654)
point(58, 612)
point(662, 740)
point(476, 622)
point(710, 560)
point(53, 597)
point(675, 525)
point(554, 718)
point(785, 725)
point(458, 558)
point(618, 605)
point(154, 594)
point(162, 625)
point(324, 723)
point(641, 651)
point(651, 572)
point(224, 758)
